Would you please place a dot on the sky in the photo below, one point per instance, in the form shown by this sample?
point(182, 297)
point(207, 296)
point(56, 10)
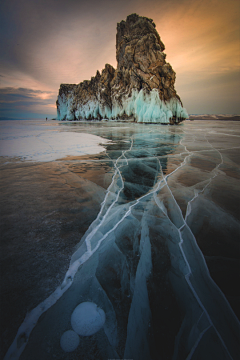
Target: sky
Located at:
point(48, 42)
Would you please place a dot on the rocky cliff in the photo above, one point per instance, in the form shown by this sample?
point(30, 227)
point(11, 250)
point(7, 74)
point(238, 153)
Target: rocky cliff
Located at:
point(141, 88)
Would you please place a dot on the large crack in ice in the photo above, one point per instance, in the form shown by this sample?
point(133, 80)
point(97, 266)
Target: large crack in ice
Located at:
point(31, 319)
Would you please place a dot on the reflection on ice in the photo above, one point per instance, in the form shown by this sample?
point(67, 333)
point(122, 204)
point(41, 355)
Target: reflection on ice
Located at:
point(140, 260)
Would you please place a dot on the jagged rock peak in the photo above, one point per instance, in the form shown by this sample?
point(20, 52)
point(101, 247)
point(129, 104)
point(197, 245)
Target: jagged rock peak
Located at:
point(140, 89)
point(132, 30)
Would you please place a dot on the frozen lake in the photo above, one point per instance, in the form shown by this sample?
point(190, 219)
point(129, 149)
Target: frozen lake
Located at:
point(142, 220)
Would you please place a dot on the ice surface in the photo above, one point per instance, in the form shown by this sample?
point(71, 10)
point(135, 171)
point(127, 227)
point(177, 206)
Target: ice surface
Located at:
point(160, 258)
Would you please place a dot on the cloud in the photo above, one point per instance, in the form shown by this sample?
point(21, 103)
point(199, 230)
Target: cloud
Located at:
point(47, 42)
point(10, 94)
point(17, 101)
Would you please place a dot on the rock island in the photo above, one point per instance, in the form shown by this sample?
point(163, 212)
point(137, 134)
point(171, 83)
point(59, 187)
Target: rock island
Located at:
point(141, 89)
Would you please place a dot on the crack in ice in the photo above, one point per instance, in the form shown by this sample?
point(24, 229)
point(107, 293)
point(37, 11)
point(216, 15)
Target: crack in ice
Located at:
point(185, 258)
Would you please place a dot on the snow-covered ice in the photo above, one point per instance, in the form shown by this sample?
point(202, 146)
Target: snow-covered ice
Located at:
point(39, 141)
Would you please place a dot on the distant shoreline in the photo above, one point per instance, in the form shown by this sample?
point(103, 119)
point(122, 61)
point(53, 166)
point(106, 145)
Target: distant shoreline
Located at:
point(215, 117)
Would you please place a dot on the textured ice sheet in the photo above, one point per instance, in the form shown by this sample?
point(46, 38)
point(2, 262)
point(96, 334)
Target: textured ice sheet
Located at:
point(143, 260)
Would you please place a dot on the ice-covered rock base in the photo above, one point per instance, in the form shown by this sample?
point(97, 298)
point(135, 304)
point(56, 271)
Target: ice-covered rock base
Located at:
point(141, 106)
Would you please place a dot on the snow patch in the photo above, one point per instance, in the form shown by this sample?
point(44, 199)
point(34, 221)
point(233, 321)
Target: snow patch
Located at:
point(31, 142)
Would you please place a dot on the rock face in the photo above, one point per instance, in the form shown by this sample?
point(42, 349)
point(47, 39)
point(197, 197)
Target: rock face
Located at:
point(140, 89)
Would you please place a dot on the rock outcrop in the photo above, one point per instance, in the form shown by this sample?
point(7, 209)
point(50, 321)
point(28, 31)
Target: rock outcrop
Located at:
point(140, 89)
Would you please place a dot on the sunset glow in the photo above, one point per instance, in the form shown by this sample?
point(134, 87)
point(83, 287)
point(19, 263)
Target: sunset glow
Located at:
point(49, 43)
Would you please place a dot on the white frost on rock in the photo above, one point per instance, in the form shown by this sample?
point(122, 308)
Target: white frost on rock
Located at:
point(69, 341)
point(87, 319)
point(65, 107)
point(145, 107)
point(90, 108)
